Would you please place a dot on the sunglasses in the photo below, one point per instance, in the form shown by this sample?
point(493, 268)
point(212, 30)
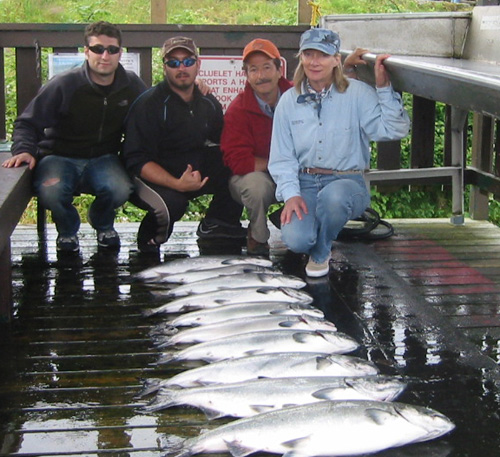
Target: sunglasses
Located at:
point(175, 63)
point(100, 49)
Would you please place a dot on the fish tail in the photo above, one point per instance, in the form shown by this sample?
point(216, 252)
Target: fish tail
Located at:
point(165, 399)
point(150, 386)
point(166, 358)
point(174, 446)
point(149, 312)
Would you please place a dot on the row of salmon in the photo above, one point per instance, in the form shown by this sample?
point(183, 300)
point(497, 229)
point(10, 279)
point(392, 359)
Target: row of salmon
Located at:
point(274, 361)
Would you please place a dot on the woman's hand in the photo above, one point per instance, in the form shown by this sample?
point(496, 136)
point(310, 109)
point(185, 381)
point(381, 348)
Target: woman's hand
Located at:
point(295, 205)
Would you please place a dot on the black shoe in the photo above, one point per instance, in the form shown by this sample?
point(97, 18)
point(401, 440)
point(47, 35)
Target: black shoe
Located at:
point(67, 243)
point(208, 230)
point(108, 239)
point(148, 248)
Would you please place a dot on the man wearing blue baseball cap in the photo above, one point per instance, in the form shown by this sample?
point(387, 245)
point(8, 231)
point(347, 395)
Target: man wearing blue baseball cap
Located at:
point(320, 145)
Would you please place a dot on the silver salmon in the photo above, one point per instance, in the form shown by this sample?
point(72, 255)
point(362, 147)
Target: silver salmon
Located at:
point(198, 263)
point(247, 398)
point(326, 428)
point(265, 342)
point(187, 277)
point(172, 336)
point(231, 296)
point(243, 310)
point(237, 281)
point(277, 365)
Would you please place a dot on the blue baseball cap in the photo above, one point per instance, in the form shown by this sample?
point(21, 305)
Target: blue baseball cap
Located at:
point(323, 40)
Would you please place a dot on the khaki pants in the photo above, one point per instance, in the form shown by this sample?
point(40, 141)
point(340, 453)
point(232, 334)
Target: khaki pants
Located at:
point(256, 192)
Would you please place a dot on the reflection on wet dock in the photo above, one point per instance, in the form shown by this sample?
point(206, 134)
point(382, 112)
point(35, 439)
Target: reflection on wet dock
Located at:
point(424, 304)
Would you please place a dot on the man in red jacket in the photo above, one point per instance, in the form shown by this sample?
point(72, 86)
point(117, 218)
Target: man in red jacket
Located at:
point(246, 138)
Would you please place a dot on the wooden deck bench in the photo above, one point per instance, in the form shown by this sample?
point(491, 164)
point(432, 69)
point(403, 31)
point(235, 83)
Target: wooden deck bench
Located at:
point(453, 59)
point(15, 194)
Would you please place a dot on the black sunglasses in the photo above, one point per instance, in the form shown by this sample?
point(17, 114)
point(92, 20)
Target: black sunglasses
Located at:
point(100, 49)
point(176, 63)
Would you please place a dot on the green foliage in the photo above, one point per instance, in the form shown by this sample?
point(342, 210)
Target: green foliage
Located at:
point(252, 12)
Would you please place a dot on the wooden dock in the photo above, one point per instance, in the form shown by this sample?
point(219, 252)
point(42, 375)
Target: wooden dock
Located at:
point(424, 304)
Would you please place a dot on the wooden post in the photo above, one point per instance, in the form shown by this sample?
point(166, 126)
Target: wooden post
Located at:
point(159, 11)
point(304, 12)
point(482, 158)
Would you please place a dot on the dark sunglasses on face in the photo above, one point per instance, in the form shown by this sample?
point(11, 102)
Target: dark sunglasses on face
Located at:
point(175, 63)
point(100, 49)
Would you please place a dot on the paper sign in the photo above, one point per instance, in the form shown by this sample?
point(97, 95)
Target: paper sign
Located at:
point(225, 76)
point(60, 62)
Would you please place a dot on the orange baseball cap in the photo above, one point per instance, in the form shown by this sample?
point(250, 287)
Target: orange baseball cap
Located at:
point(261, 45)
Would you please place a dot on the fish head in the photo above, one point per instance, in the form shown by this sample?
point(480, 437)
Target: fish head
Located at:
point(431, 422)
point(294, 295)
point(338, 340)
point(353, 364)
point(383, 388)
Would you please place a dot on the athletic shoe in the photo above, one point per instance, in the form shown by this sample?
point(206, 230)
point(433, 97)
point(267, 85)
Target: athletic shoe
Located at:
point(108, 239)
point(67, 243)
point(208, 230)
point(316, 270)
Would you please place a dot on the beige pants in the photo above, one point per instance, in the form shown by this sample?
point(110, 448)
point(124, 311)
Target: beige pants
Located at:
point(256, 192)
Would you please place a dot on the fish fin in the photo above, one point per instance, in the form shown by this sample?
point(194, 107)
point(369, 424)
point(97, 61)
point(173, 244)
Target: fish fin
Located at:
point(293, 444)
point(323, 394)
point(211, 413)
point(238, 450)
point(267, 290)
point(379, 416)
point(261, 408)
point(287, 324)
point(301, 337)
point(293, 454)
point(323, 362)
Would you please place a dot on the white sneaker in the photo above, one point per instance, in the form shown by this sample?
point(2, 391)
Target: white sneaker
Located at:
point(316, 270)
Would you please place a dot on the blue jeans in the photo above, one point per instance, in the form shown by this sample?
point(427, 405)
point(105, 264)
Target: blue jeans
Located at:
point(332, 200)
point(57, 179)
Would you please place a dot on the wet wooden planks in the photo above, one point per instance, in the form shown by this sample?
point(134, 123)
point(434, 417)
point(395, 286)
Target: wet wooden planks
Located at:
point(78, 351)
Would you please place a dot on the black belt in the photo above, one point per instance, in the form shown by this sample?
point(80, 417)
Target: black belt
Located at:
point(327, 171)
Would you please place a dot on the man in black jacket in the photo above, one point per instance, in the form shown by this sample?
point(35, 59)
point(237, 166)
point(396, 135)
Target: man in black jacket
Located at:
point(172, 149)
point(72, 131)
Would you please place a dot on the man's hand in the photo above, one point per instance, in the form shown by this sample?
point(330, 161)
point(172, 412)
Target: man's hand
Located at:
point(381, 76)
point(190, 180)
point(203, 86)
point(20, 159)
point(295, 205)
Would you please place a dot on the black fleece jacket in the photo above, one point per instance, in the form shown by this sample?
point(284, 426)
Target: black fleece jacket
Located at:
point(163, 128)
point(73, 117)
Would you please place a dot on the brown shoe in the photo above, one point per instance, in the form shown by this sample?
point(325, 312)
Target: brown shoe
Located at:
point(254, 247)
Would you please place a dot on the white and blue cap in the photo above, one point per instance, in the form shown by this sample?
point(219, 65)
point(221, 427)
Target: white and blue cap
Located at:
point(323, 40)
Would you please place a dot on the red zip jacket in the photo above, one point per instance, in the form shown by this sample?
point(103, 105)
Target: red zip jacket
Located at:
point(247, 131)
